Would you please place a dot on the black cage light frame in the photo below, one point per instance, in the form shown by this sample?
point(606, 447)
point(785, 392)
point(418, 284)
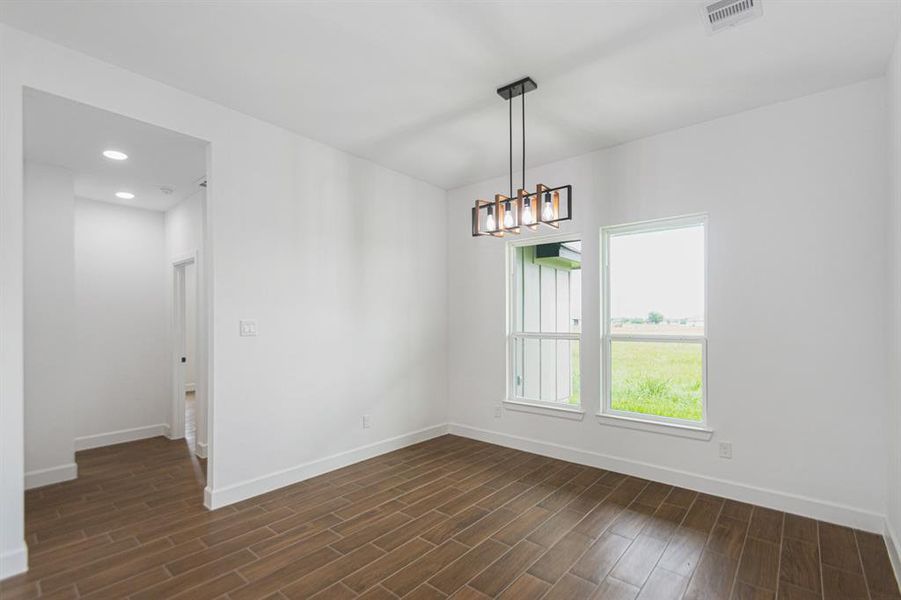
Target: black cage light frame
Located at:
point(509, 213)
point(557, 197)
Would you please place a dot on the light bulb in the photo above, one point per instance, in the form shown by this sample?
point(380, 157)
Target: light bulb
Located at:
point(490, 223)
point(547, 213)
point(508, 216)
point(527, 217)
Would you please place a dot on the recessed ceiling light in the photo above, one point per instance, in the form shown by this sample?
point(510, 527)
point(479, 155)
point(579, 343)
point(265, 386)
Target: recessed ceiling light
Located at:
point(125, 195)
point(115, 155)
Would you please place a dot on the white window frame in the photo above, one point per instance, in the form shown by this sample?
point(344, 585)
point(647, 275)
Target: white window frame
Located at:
point(512, 401)
point(608, 414)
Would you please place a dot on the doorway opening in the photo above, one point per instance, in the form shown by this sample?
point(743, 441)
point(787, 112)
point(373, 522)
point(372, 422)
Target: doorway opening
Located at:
point(184, 287)
point(116, 312)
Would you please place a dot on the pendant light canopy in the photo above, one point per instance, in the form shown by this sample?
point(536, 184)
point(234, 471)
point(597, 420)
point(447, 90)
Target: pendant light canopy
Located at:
point(509, 213)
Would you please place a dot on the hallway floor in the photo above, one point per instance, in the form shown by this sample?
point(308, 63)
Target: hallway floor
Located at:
point(450, 517)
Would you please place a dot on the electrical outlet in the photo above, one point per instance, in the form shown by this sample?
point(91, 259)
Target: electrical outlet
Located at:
point(247, 328)
point(367, 421)
point(497, 412)
point(725, 449)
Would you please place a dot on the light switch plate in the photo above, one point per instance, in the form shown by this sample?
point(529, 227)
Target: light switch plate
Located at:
point(247, 328)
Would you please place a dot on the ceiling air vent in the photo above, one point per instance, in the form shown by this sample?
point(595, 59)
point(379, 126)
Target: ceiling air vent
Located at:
point(728, 13)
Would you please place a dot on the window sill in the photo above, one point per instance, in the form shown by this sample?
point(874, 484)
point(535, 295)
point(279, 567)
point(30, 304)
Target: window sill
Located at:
point(675, 429)
point(561, 412)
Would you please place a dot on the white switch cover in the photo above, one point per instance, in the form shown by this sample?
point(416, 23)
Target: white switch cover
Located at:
point(247, 328)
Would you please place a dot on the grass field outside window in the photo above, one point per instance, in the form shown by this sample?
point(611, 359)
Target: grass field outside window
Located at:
point(657, 378)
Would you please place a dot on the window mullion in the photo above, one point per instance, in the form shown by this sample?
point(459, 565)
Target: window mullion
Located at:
point(531, 335)
point(670, 339)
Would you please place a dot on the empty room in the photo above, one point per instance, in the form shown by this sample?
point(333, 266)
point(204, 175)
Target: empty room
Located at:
point(450, 300)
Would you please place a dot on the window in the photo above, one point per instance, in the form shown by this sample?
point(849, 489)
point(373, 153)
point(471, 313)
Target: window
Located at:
point(545, 321)
point(654, 339)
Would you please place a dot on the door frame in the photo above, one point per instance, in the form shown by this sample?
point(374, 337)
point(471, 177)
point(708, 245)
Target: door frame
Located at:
point(179, 331)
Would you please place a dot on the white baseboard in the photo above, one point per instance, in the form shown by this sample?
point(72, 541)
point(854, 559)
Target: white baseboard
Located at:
point(42, 477)
point(801, 505)
point(13, 562)
point(119, 437)
point(200, 449)
point(893, 543)
point(254, 487)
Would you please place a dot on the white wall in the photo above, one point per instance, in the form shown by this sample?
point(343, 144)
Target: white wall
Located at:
point(894, 280)
point(184, 226)
point(122, 324)
point(341, 262)
point(795, 194)
point(50, 324)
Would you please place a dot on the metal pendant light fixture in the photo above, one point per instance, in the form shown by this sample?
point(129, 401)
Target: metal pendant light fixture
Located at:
point(510, 213)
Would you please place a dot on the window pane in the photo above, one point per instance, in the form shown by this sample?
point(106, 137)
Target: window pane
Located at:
point(531, 291)
point(657, 378)
point(657, 282)
point(548, 290)
point(546, 370)
point(527, 368)
point(570, 375)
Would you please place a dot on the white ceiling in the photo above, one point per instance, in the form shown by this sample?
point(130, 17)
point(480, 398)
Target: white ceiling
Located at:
point(411, 85)
point(73, 135)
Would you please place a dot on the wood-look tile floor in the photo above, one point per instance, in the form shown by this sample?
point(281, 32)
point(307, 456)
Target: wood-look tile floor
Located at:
point(450, 517)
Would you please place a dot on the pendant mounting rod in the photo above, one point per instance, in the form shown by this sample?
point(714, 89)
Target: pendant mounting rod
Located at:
point(510, 107)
